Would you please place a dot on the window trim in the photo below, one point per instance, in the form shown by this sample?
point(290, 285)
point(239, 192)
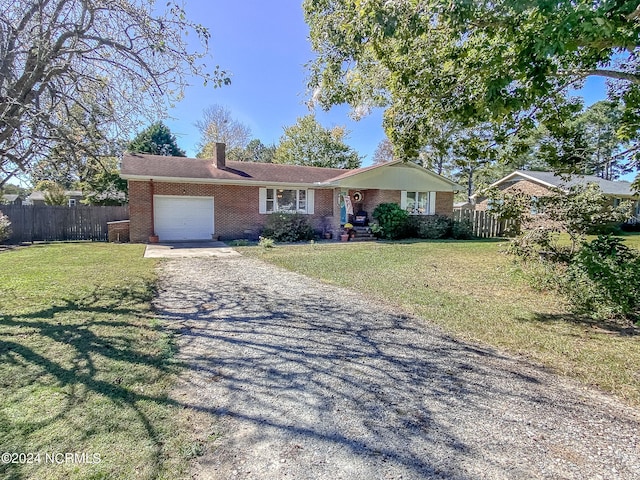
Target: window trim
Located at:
point(431, 202)
point(309, 200)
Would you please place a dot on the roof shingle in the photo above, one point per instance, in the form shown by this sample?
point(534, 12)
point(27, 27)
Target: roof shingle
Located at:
point(156, 166)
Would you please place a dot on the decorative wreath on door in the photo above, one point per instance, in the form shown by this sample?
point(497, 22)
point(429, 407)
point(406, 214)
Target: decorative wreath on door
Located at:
point(357, 196)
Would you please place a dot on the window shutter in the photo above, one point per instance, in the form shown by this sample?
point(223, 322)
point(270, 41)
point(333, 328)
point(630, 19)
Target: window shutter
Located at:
point(403, 200)
point(432, 203)
point(311, 201)
point(262, 196)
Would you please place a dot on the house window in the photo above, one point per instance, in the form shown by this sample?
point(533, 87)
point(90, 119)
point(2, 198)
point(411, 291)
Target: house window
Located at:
point(285, 200)
point(419, 203)
point(534, 205)
point(72, 202)
point(616, 202)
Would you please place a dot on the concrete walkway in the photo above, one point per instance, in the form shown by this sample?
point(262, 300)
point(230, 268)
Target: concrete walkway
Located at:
point(189, 249)
point(290, 378)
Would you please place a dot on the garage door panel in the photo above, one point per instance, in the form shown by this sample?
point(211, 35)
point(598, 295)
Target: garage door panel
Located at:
point(183, 218)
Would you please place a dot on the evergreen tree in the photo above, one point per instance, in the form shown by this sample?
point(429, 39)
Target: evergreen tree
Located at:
point(156, 139)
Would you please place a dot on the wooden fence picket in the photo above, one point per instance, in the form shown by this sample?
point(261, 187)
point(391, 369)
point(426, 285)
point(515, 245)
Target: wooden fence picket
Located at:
point(33, 223)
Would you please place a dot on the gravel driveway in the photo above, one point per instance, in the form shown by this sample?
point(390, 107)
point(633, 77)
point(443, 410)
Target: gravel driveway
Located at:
point(304, 380)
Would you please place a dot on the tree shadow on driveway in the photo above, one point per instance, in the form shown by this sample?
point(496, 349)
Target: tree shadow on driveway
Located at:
point(313, 381)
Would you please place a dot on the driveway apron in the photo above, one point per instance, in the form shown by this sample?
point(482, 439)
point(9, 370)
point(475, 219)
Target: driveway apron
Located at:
point(305, 380)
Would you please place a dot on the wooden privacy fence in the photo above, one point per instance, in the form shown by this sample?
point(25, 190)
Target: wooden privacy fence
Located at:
point(484, 224)
point(32, 223)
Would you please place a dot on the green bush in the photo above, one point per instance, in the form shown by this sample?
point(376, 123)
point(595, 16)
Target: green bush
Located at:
point(462, 230)
point(287, 227)
point(433, 227)
point(266, 243)
point(602, 279)
point(392, 219)
point(5, 227)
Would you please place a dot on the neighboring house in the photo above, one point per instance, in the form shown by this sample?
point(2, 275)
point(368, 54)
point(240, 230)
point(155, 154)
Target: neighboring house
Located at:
point(11, 199)
point(37, 198)
point(181, 198)
point(463, 206)
point(542, 184)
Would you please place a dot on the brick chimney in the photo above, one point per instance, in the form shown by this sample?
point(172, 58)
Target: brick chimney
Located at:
point(221, 161)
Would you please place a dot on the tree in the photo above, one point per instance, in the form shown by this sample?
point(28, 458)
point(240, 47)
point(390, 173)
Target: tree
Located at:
point(127, 56)
point(53, 194)
point(508, 62)
point(255, 151)
point(605, 155)
point(102, 184)
point(383, 153)
point(218, 126)
point(309, 143)
point(439, 150)
point(156, 139)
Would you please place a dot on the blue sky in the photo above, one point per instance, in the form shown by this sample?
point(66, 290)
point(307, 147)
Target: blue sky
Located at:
point(264, 44)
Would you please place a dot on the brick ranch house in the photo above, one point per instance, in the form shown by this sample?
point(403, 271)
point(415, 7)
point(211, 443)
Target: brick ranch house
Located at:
point(180, 198)
point(541, 184)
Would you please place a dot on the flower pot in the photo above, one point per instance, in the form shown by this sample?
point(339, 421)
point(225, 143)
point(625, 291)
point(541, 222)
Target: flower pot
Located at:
point(327, 235)
point(154, 238)
point(344, 237)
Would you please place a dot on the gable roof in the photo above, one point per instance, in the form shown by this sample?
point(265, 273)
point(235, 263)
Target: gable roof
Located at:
point(551, 180)
point(146, 167)
point(137, 166)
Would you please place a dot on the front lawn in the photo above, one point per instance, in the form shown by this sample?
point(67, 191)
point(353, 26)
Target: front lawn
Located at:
point(473, 291)
point(84, 369)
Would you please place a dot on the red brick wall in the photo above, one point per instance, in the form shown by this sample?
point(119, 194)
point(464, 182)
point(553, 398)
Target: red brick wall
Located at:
point(236, 208)
point(373, 197)
point(444, 203)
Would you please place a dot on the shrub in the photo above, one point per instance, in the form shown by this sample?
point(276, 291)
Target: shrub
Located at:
point(392, 219)
point(602, 279)
point(266, 242)
point(288, 227)
point(5, 227)
point(462, 230)
point(434, 227)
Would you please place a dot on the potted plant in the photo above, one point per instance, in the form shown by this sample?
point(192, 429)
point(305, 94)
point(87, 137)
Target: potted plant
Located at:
point(344, 237)
point(154, 238)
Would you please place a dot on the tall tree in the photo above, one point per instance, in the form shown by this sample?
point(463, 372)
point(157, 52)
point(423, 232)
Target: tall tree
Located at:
point(129, 56)
point(255, 151)
point(218, 126)
point(606, 155)
point(383, 152)
point(65, 164)
point(309, 143)
point(506, 61)
point(156, 139)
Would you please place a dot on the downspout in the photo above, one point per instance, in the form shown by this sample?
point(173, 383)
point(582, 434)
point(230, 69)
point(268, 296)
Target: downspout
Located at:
point(153, 220)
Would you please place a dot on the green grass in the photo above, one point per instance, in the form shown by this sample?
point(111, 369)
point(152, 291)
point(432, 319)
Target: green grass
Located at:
point(84, 366)
point(475, 292)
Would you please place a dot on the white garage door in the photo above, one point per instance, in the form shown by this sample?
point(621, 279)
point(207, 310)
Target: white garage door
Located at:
point(183, 218)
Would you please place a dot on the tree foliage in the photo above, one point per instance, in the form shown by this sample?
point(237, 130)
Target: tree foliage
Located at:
point(156, 139)
point(5, 227)
point(507, 62)
point(218, 126)
point(309, 143)
point(61, 58)
point(255, 151)
point(605, 154)
point(54, 194)
point(383, 152)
